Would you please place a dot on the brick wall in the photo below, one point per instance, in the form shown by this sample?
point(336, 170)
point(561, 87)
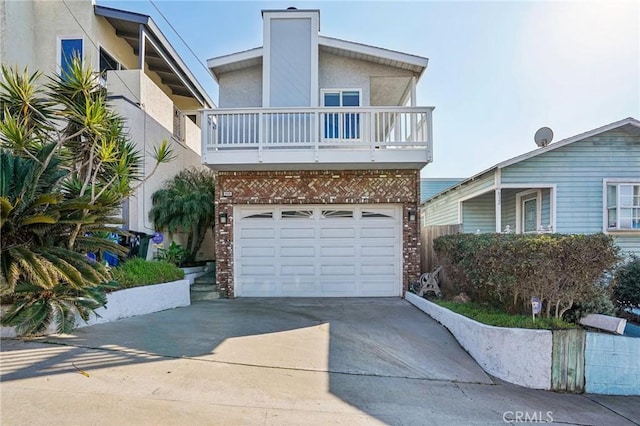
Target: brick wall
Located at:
point(317, 187)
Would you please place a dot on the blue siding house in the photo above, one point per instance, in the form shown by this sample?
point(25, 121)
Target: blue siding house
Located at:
point(588, 183)
point(432, 186)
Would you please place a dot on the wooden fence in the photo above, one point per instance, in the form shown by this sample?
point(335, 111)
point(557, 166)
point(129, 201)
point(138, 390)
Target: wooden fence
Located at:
point(428, 234)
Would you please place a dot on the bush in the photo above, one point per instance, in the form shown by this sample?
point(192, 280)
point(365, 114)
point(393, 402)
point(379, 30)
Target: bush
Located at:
point(506, 270)
point(600, 303)
point(175, 254)
point(139, 272)
point(626, 289)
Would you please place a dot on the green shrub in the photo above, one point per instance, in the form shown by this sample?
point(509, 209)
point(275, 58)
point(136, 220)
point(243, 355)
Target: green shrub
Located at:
point(139, 272)
point(498, 318)
point(175, 254)
point(626, 289)
point(506, 270)
point(600, 303)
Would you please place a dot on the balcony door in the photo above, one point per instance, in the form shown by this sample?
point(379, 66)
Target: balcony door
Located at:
point(341, 125)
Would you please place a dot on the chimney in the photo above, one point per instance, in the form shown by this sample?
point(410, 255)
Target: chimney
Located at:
point(290, 58)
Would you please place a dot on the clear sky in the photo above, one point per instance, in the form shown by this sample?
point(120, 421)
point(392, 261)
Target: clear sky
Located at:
point(497, 71)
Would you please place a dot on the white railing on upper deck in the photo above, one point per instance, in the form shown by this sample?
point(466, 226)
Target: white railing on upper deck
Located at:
point(306, 128)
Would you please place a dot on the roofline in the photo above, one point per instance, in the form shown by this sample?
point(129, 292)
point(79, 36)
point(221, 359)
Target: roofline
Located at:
point(231, 58)
point(581, 136)
point(365, 49)
point(147, 21)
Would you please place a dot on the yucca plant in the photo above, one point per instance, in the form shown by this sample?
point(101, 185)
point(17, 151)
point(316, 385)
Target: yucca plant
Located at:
point(66, 164)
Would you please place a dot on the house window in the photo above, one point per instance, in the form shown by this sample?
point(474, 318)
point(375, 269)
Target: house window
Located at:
point(108, 63)
point(341, 125)
point(622, 206)
point(69, 48)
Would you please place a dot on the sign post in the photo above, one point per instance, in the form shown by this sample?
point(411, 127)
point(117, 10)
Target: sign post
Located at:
point(536, 306)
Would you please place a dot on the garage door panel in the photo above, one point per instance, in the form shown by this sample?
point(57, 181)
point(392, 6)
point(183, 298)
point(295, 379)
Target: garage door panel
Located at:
point(336, 232)
point(299, 287)
point(257, 233)
point(297, 251)
point(377, 269)
point(347, 250)
point(297, 233)
point(256, 251)
point(378, 232)
point(386, 251)
point(257, 269)
point(338, 287)
point(345, 269)
point(259, 287)
point(297, 270)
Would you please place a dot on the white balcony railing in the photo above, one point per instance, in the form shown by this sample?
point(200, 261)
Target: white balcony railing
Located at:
point(317, 129)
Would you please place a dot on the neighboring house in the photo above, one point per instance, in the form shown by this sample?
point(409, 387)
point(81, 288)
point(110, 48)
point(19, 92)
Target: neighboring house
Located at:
point(147, 81)
point(588, 183)
point(318, 160)
point(432, 186)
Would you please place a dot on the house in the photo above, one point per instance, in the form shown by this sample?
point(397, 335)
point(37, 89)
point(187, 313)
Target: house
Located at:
point(588, 183)
point(147, 81)
point(317, 144)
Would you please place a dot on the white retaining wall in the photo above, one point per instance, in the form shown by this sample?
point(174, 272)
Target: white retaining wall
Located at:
point(516, 355)
point(131, 302)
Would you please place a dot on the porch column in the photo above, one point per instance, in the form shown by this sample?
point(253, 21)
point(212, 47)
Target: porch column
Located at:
point(414, 102)
point(498, 210)
point(141, 47)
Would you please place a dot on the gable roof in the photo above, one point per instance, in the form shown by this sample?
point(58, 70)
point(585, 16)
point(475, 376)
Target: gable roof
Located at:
point(629, 124)
point(349, 49)
point(159, 54)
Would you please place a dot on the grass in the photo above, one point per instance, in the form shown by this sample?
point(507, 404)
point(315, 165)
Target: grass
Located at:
point(498, 318)
point(140, 272)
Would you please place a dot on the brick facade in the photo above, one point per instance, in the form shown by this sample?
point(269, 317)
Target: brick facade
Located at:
point(317, 187)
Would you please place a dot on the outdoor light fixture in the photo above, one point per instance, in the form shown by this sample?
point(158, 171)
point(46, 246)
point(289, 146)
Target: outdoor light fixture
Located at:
point(222, 218)
point(411, 215)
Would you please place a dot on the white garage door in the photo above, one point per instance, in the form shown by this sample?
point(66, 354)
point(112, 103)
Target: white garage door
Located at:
point(326, 251)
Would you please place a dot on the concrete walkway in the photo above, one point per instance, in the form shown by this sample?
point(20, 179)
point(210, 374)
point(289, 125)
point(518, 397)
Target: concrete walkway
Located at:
point(274, 361)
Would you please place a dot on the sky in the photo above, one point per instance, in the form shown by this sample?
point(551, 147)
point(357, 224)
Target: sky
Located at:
point(497, 72)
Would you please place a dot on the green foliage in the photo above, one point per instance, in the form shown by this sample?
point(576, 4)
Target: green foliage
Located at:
point(175, 254)
point(626, 290)
point(140, 272)
point(508, 269)
point(499, 318)
point(600, 303)
point(186, 204)
point(35, 308)
point(66, 164)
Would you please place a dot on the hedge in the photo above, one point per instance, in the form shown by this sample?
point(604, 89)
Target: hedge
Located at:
point(506, 270)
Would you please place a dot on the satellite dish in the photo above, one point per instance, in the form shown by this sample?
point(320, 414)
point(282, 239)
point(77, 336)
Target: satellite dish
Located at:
point(543, 136)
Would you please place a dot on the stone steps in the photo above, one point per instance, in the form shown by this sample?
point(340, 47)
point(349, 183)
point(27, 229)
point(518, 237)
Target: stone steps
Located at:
point(205, 288)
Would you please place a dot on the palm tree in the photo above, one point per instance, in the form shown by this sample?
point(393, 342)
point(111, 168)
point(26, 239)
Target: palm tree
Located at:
point(66, 164)
point(186, 204)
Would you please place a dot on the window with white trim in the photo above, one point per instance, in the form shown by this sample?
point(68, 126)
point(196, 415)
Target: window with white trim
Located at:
point(622, 201)
point(343, 125)
point(69, 48)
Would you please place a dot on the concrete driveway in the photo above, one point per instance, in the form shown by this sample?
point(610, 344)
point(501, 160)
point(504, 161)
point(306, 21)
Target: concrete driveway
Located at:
point(274, 361)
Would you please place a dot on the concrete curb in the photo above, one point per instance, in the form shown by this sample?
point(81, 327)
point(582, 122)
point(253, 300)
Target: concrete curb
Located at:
point(515, 355)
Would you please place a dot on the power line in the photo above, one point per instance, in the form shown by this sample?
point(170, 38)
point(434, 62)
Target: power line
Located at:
point(180, 37)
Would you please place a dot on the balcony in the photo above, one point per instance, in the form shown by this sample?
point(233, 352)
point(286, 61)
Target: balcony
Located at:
point(317, 138)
